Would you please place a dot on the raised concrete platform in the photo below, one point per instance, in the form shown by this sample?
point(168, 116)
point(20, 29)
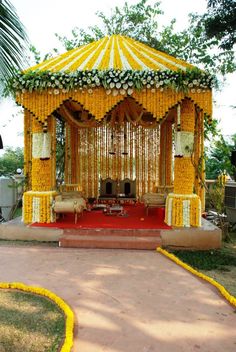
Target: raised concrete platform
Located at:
point(17, 230)
point(206, 237)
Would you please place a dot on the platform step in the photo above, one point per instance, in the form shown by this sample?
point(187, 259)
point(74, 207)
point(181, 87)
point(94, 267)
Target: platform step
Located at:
point(104, 241)
point(113, 232)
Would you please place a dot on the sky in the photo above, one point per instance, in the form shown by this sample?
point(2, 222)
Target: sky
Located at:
point(44, 18)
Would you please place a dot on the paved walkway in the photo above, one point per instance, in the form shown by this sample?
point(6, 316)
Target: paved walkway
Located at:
point(127, 301)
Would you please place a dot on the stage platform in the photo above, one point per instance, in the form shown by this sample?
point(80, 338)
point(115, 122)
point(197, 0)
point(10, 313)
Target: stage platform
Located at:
point(207, 236)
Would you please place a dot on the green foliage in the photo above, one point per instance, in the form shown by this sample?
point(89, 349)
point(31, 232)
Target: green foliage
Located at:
point(13, 41)
point(220, 22)
point(211, 130)
point(140, 22)
point(207, 260)
point(218, 157)
point(11, 160)
point(60, 150)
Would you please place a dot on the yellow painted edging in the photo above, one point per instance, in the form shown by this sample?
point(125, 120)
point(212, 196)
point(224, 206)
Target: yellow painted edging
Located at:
point(231, 299)
point(68, 342)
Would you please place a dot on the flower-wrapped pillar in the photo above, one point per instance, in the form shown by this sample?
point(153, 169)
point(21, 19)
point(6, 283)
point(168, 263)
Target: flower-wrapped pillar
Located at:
point(183, 208)
point(37, 202)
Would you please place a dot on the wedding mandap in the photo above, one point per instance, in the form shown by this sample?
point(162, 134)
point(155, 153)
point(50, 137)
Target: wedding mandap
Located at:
point(129, 112)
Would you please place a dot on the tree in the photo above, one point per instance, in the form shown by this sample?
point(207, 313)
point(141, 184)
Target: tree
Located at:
point(219, 157)
point(10, 161)
point(140, 21)
point(220, 22)
point(13, 41)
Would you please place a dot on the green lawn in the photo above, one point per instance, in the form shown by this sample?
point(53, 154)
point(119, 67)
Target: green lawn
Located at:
point(219, 264)
point(29, 323)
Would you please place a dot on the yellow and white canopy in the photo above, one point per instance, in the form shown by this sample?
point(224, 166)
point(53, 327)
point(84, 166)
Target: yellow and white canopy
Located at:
point(114, 52)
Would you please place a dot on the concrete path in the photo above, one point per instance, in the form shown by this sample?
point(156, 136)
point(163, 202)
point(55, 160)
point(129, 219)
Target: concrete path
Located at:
point(127, 301)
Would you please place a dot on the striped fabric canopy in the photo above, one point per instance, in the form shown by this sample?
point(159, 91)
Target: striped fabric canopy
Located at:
point(114, 52)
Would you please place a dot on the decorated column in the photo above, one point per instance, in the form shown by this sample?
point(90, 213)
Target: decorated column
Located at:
point(37, 201)
point(183, 207)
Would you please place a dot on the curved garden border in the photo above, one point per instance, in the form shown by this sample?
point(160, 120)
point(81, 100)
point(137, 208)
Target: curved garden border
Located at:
point(68, 341)
point(231, 299)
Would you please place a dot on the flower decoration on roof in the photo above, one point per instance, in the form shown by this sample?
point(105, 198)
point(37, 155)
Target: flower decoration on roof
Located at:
point(114, 81)
point(118, 64)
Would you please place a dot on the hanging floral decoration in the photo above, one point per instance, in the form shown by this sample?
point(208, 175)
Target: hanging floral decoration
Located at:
point(114, 81)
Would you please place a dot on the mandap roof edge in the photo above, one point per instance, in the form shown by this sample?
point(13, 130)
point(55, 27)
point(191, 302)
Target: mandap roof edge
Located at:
point(101, 74)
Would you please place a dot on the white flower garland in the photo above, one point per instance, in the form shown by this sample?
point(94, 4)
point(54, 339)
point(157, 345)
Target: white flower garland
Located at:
point(189, 80)
point(184, 143)
point(36, 209)
point(186, 213)
point(41, 145)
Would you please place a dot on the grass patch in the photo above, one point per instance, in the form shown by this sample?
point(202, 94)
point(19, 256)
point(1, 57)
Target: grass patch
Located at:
point(27, 243)
point(219, 264)
point(29, 323)
point(207, 260)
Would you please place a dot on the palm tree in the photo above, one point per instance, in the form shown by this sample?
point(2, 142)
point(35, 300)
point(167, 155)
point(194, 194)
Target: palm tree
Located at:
point(13, 41)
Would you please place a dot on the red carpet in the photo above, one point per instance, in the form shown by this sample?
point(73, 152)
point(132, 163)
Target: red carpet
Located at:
point(136, 219)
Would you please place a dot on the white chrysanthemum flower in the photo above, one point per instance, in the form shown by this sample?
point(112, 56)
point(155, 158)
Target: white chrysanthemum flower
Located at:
point(130, 91)
point(122, 91)
point(125, 86)
point(112, 85)
point(115, 92)
point(108, 91)
point(118, 85)
point(56, 91)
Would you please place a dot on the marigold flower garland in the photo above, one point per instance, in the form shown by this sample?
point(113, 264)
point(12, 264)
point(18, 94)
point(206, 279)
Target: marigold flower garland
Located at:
point(68, 341)
point(37, 207)
point(231, 299)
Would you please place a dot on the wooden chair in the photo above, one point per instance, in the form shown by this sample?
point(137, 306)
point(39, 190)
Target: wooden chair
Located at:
point(108, 189)
point(127, 189)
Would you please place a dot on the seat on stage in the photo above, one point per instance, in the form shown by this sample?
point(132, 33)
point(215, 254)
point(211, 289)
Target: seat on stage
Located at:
point(108, 189)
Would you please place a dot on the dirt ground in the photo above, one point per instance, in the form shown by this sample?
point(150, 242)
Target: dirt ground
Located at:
point(127, 300)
